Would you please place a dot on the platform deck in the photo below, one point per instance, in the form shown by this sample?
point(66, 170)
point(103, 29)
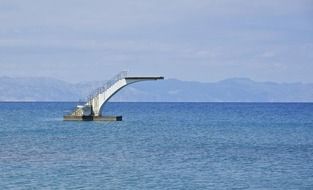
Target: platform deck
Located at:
point(92, 118)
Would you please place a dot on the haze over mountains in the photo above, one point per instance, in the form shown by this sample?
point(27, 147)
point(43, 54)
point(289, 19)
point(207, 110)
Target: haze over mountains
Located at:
point(170, 90)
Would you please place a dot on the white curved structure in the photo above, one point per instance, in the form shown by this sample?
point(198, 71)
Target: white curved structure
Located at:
point(97, 102)
point(99, 97)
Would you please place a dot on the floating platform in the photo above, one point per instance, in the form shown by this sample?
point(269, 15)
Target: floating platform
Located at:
point(92, 118)
point(91, 110)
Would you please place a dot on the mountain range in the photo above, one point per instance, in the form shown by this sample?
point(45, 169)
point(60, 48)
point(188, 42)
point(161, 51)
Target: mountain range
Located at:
point(169, 90)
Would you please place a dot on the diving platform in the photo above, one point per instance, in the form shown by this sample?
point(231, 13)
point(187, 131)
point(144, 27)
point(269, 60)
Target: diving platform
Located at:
point(92, 109)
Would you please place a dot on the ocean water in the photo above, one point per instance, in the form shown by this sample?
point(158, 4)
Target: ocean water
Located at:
point(158, 146)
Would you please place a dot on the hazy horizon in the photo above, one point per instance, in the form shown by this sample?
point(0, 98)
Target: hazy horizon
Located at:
point(170, 90)
point(191, 40)
point(105, 79)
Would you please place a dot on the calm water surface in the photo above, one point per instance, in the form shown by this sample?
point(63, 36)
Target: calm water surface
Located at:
point(158, 146)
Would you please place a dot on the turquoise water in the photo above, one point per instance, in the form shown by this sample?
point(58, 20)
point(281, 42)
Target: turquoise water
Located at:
point(158, 146)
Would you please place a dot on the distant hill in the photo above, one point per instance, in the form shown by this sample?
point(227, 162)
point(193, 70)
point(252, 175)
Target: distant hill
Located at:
point(230, 90)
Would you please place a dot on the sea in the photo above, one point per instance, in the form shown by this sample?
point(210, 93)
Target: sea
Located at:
point(158, 146)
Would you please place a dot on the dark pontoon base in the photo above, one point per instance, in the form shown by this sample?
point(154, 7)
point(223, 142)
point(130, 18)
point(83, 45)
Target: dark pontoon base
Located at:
point(92, 118)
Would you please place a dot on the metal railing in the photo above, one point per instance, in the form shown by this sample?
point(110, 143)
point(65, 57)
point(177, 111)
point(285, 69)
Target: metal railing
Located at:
point(106, 86)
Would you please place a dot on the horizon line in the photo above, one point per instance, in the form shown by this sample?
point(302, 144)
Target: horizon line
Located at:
point(165, 78)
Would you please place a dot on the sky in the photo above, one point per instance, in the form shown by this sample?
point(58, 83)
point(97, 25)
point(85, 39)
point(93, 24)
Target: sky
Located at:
point(194, 40)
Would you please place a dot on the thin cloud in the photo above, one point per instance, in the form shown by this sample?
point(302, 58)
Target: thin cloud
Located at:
point(187, 39)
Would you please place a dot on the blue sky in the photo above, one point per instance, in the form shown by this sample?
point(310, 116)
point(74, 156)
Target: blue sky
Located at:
point(199, 40)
